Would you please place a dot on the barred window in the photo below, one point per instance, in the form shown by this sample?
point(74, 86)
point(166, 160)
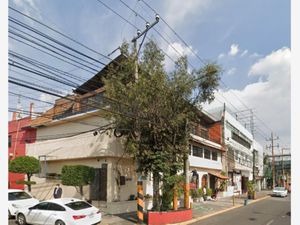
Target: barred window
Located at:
point(197, 151)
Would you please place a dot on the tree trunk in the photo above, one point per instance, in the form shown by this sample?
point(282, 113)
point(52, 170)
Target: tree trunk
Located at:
point(28, 179)
point(156, 197)
point(81, 192)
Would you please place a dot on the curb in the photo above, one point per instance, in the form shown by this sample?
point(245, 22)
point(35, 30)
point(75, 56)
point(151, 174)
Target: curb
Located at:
point(218, 212)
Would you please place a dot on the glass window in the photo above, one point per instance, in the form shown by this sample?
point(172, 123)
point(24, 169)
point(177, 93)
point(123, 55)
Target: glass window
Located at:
point(78, 205)
point(206, 154)
point(20, 195)
point(56, 207)
point(214, 155)
point(42, 206)
point(197, 151)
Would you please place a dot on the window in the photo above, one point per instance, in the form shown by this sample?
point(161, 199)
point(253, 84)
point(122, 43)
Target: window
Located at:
point(20, 195)
point(9, 141)
point(206, 154)
point(190, 149)
point(236, 155)
point(42, 206)
point(214, 155)
point(55, 207)
point(240, 140)
point(197, 151)
point(78, 205)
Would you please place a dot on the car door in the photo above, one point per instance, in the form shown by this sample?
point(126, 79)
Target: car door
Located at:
point(36, 213)
point(55, 212)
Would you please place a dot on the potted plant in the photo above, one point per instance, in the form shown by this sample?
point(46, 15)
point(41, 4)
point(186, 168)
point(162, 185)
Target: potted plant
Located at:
point(209, 193)
point(251, 190)
point(194, 194)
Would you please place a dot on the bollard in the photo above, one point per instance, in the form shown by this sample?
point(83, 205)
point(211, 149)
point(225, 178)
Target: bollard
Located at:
point(140, 202)
point(233, 199)
point(245, 201)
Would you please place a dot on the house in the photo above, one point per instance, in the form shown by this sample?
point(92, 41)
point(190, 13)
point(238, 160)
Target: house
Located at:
point(74, 131)
point(206, 158)
point(19, 134)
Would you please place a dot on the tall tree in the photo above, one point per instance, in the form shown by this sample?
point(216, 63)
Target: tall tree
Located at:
point(27, 165)
point(152, 112)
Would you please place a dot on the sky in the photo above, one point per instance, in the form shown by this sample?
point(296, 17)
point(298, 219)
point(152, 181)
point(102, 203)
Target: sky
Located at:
point(251, 40)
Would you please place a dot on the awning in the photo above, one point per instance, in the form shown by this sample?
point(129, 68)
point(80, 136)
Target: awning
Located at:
point(219, 175)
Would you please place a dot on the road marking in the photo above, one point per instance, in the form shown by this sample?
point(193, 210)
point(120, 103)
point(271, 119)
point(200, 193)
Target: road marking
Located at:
point(271, 221)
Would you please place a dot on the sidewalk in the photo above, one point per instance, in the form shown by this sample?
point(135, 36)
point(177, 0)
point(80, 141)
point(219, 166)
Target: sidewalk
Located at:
point(200, 210)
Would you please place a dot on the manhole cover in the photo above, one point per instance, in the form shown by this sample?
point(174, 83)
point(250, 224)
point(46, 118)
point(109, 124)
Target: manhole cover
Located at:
point(252, 219)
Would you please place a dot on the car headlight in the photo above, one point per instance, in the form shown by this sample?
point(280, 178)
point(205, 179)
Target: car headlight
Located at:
point(15, 205)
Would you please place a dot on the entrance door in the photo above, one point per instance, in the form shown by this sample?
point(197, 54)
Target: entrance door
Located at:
point(244, 184)
point(98, 188)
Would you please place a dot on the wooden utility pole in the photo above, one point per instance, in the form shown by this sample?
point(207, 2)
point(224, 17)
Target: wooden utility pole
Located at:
point(272, 139)
point(140, 191)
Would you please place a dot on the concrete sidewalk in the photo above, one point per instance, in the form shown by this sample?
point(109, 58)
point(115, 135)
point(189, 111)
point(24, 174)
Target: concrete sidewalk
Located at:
point(201, 210)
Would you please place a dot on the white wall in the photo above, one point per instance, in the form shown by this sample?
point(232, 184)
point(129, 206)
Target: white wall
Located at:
point(206, 163)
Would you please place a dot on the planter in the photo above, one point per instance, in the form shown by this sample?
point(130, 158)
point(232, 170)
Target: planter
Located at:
point(161, 218)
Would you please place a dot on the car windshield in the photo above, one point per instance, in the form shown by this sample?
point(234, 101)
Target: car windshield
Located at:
point(78, 205)
point(20, 195)
point(279, 189)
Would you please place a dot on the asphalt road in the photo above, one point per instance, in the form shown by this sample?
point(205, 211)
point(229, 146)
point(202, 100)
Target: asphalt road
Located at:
point(271, 211)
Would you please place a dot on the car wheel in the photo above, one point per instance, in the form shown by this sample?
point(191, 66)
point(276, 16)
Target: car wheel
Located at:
point(59, 222)
point(21, 219)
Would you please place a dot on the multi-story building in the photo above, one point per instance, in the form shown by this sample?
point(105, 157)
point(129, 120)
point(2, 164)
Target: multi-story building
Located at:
point(241, 149)
point(207, 151)
point(19, 134)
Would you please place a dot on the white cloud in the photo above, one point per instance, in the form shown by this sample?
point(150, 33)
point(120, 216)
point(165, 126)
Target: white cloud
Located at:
point(221, 56)
point(234, 49)
point(270, 97)
point(175, 50)
point(47, 98)
point(29, 7)
point(231, 71)
point(178, 12)
point(245, 52)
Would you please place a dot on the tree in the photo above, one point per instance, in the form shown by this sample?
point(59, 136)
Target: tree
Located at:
point(153, 112)
point(77, 176)
point(27, 165)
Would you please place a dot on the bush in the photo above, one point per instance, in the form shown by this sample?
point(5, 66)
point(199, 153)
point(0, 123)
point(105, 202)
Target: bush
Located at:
point(194, 193)
point(209, 192)
point(77, 176)
point(200, 191)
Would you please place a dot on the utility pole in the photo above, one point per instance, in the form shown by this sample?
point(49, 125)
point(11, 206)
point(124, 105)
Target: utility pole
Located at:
point(282, 165)
point(140, 191)
point(272, 139)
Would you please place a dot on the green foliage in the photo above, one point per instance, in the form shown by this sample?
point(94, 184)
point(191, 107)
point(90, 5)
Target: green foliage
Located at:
point(77, 175)
point(200, 191)
point(223, 185)
point(251, 187)
point(209, 192)
point(152, 112)
point(25, 182)
point(194, 193)
point(24, 164)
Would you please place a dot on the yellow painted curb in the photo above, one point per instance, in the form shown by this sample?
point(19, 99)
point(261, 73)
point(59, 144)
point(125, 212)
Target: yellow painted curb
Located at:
point(218, 212)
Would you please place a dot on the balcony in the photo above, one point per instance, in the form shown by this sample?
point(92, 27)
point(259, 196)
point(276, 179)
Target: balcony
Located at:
point(83, 106)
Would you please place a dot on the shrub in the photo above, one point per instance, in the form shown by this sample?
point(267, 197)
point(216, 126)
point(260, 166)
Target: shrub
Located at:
point(209, 192)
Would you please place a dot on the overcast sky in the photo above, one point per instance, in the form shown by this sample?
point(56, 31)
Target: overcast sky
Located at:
point(249, 39)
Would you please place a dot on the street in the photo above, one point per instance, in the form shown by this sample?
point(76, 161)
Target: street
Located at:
point(272, 211)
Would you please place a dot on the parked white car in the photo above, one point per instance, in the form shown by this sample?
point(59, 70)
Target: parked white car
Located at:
point(18, 199)
point(63, 211)
point(279, 191)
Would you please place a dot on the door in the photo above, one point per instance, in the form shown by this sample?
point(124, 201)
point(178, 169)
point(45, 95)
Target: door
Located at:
point(204, 181)
point(98, 188)
point(36, 214)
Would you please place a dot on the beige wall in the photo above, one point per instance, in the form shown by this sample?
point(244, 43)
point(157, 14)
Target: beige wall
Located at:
point(45, 187)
